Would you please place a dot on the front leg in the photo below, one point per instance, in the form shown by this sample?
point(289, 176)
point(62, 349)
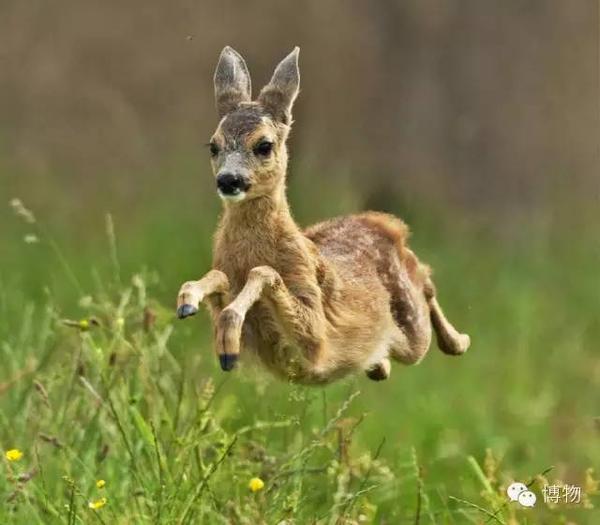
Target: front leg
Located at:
point(302, 321)
point(212, 289)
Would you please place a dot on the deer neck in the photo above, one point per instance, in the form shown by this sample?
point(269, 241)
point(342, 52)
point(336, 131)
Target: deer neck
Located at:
point(255, 229)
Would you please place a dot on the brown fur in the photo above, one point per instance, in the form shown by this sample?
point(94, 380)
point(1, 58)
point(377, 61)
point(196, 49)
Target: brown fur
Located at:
point(313, 305)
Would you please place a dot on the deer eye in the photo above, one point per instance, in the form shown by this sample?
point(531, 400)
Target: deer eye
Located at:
point(214, 149)
point(263, 148)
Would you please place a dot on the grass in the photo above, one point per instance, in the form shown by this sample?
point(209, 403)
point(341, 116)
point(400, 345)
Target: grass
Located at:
point(100, 382)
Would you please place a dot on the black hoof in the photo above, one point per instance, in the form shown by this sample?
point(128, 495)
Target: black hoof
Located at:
point(186, 310)
point(228, 361)
point(377, 373)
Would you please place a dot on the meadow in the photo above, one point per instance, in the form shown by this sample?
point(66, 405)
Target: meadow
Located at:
point(122, 414)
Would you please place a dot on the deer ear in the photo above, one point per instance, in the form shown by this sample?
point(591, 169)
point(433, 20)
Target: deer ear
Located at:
point(232, 82)
point(278, 96)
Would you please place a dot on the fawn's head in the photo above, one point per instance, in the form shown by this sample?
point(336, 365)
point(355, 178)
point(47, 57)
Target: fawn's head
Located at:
point(248, 151)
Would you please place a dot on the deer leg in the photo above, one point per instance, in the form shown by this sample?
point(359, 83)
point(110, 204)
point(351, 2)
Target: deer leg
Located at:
point(212, 289)
point(299, 321)
point(410, 348)
point(449, 339)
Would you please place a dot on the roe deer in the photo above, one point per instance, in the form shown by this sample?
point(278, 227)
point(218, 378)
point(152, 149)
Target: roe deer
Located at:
point(314, 305)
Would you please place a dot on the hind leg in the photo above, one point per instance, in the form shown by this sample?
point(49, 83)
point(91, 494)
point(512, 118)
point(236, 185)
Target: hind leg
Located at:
point(400, 347)
point(415, 310)
point(410, 313)
point(378, 367)
point(410, 349)
point(449, 339)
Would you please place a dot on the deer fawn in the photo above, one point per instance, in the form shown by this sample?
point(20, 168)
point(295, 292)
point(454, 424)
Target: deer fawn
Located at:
point(314, 305)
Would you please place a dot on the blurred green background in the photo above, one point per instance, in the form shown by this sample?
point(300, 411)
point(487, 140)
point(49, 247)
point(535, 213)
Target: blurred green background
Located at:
point(476, 122)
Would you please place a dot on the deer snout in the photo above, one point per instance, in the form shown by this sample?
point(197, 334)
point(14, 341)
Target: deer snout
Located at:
point(232, 184)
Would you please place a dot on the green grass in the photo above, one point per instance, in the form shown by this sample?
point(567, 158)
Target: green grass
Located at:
point(135, 398)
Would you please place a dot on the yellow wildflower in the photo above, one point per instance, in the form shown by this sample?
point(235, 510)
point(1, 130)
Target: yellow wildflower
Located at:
point(14, 454)
point(100, 483)
point(98, 504)
point(256, 484)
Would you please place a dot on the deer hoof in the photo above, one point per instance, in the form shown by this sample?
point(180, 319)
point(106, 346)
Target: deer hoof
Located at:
point(228, 361)
point(186, 310)
point(380, 371)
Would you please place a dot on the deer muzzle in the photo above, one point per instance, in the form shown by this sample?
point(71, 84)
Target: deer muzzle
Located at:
point(232, 186)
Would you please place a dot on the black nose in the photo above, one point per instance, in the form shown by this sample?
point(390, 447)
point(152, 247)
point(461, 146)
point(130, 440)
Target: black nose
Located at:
point(231, 183)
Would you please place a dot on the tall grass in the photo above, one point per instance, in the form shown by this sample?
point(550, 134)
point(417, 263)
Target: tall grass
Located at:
point(100, 382)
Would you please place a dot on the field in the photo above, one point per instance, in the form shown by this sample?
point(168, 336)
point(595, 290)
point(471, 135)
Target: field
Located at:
point(99, 381)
